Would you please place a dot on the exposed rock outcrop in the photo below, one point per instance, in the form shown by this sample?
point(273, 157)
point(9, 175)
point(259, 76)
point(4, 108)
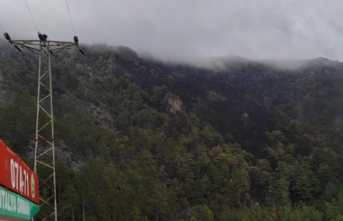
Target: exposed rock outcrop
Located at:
point(62, 154)
point(174, 103)
point(101, 115)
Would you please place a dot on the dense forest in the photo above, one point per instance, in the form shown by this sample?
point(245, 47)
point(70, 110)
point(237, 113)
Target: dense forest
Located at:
point(141, 139)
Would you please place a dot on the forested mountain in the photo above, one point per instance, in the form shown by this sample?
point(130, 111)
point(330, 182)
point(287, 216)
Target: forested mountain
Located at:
point(142, 139)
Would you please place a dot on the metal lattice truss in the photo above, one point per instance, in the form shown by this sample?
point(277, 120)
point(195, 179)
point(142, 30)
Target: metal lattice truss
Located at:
point(45, 142)
point(47, 47)
point(44, 161)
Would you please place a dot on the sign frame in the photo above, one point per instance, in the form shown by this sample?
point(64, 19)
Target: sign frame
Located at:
point(17, 176)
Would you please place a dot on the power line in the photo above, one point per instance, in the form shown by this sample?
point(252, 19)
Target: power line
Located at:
point(70, 18)
point(31, 15)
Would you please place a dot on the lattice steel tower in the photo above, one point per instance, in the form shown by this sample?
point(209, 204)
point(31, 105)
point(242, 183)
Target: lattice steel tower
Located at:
point(44, 160)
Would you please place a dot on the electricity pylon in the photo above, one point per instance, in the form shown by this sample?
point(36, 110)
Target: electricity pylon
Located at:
point(44, 160)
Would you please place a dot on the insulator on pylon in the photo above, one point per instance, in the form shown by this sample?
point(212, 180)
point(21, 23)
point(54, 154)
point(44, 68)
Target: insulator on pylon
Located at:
point(45, 37)
point(7, 36)
point(76, 39)
point(82, 52)
point(42, 37)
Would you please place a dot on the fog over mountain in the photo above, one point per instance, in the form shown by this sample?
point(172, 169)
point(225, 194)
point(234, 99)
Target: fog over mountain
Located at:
point(186, 30)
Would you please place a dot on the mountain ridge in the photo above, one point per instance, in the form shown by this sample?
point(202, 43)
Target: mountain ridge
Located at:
point(167, 141)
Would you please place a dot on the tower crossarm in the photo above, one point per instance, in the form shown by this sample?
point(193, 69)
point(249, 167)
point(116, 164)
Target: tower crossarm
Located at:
point(37, 46)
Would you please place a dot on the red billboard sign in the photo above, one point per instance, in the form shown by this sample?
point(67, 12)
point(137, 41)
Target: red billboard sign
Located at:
point(17, 176)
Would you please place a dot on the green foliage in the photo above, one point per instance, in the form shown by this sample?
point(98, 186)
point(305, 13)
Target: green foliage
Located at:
point(201, 213)
point(249, 143)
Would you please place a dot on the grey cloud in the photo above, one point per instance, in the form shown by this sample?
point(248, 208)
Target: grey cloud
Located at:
point(189, 29)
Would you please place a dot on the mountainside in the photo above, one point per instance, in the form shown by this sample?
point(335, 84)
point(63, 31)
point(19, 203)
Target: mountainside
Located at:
point(142, 139)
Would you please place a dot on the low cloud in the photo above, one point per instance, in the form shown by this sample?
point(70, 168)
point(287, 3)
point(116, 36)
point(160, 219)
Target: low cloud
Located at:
point(190, 30)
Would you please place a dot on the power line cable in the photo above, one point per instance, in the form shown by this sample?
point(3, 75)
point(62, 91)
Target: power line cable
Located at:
point(72, 25)
point(31, 15)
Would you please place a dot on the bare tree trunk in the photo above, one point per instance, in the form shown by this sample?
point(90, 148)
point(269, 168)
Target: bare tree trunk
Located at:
point(72, 211)
point(83, 206)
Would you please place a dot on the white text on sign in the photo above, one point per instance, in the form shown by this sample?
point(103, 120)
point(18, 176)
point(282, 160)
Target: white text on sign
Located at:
point(19, 178)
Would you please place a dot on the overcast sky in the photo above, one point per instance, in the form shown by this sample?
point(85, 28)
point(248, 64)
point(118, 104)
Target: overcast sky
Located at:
point(182, 29)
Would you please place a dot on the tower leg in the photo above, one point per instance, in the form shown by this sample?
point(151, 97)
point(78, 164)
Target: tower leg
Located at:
point(44, 161)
